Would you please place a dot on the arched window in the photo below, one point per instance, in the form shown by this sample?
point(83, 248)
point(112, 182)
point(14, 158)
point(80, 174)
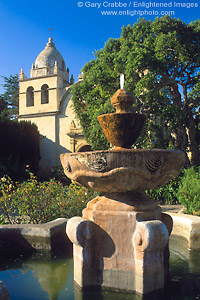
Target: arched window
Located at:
point(30, 96)
point(44, 94)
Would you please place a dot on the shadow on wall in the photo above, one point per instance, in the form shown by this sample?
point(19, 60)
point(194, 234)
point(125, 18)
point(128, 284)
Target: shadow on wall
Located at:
point(50, 156)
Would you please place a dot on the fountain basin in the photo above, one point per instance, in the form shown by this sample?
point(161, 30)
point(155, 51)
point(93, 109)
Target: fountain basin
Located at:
point(121, 171)
point(122, 129)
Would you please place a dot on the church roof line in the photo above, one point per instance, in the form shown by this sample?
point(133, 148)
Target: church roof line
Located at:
point(43, 76)
point(49, 61)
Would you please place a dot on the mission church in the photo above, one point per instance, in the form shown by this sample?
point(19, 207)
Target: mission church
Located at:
point(45, 99)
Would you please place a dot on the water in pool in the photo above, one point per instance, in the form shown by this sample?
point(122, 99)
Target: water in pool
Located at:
point(45, 276)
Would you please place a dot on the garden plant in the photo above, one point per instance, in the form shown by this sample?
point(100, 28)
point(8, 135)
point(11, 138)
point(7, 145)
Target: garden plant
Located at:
point(188, 192)
point(167, 194)
point(39, 202)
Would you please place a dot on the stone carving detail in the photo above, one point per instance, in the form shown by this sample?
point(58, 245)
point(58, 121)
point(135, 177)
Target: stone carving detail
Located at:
point(153, 165)
point(68, 168)
point(99, 163)
point(96, 162)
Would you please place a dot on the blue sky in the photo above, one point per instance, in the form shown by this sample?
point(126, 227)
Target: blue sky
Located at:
point(80, 27)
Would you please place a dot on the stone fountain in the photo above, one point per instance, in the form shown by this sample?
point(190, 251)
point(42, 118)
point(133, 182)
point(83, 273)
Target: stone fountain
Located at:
point(121, 240)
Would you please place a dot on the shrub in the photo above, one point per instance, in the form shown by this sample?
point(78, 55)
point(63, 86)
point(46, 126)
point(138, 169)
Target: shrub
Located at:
point(188, 193)
point(20, 142)
point(59, 175)
point(7, 206)
point(40, 202)
point(166, 194)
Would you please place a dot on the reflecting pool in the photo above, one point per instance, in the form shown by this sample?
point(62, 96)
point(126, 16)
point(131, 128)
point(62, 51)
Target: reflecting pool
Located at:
point(50, 276)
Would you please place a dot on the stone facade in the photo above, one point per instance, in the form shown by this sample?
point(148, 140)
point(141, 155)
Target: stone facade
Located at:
point(45, 100)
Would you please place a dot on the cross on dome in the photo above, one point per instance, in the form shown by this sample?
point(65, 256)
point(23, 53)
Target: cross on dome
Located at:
point(51, 29)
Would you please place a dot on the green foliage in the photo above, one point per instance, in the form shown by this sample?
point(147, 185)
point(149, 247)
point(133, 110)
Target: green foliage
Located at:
point(7, 207)
point(19, 147)
point(92, 96)
point(58, 174)
point(3, 109)
point(166, 194)
point(40, 202)
point(11, 95)
point(161, 63)
point(188, 193)
point(19, 140)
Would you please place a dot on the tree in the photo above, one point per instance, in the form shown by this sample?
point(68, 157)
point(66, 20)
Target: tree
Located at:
point(161, 63)
point(11, 95)
point(3, 109)
point(20, 146)
point(19, 140)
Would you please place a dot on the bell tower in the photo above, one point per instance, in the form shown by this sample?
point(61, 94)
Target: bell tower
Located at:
point(40, 100)
point(41, 93)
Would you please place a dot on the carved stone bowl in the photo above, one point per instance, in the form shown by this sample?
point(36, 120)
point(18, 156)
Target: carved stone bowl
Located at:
point(122, 129)
point(121, 171)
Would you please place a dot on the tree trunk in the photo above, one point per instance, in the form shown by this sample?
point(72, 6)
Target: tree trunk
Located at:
point(194, 146)
point(180, 142)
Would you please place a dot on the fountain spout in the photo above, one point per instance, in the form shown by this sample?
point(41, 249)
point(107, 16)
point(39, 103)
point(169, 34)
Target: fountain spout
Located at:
point(121, 81)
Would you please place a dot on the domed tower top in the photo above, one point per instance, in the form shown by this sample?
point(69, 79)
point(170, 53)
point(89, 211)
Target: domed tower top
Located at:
point(49, 62)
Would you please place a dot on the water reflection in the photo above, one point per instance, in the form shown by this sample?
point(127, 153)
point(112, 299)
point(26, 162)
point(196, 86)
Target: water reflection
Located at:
point(39, 276)
point(181, 257)
point(51, 275)
point(46, 276)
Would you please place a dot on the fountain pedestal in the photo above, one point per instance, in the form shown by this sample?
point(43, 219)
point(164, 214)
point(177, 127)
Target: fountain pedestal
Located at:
point(121, 246)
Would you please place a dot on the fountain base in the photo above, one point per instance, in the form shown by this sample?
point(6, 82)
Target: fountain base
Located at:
point(121, 242)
